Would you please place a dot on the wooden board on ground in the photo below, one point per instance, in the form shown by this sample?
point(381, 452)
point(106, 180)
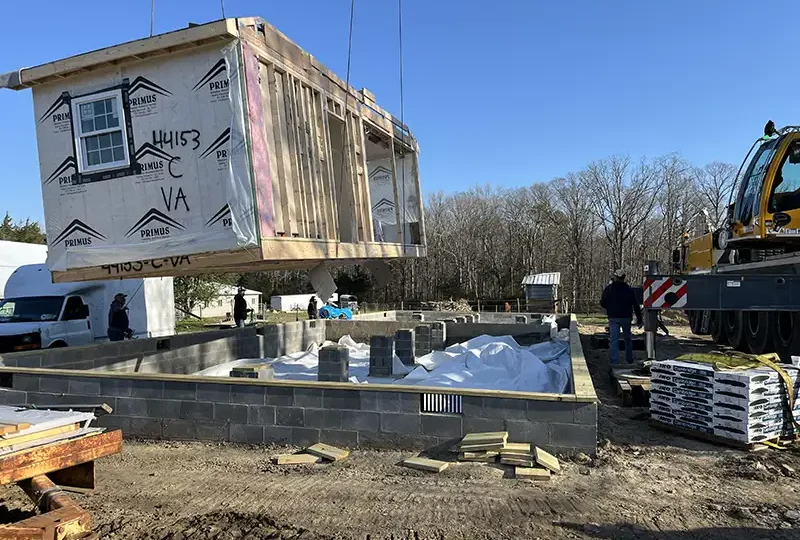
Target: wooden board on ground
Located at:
point(489, 437)
point(517, 462)
point(483, 457)
point(516, 448)
point(295, 459)
point(328, 452)
point(715, 439)
point(532, 473)
point(546, 460)
point(425, 464)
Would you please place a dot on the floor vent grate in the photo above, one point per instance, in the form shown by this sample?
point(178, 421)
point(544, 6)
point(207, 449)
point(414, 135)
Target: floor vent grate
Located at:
point(441, 403)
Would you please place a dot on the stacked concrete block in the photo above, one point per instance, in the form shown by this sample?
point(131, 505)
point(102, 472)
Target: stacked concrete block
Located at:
point(422, 340)
point(438, 335)
point(521, 319)
point(476, 317)
point(334, 364)
point(417, 317)
point(460, 319)
point(264, 372)
point(404, 346)
point(381, 355)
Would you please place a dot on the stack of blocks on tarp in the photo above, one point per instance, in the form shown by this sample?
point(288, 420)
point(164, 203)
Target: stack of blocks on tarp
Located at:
point(422, 340)
point(747, 406)
point(381, 354)
point(334, 364)
point(404, 346)
point(438, 335)
point(264, 372)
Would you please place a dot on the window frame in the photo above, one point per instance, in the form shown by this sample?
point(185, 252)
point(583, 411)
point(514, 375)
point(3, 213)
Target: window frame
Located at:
point(83, 166)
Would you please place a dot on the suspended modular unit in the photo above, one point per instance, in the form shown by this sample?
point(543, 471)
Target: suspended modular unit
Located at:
point(219, 147)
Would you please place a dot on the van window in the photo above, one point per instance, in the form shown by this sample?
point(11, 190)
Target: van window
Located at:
point(74, 310)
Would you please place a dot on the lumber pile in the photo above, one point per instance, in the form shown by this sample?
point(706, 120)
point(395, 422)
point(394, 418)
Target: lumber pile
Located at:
point(530, 462)
point(21, 429)
point(738, 407)
point(313, 454)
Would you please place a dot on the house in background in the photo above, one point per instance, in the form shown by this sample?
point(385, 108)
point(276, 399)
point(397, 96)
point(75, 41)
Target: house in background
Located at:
point(222, 305)
point(16, 254)
point(541, 292)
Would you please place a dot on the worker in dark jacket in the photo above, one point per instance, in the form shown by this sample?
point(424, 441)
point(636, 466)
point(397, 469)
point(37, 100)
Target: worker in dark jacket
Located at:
point(619, 302)
point(239, 308)
point(118, 323)
point(312, 308)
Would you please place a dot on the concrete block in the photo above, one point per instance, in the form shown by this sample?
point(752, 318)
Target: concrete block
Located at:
point(504, 408)
point(178, 430)
point(218, 393)
point(308, 397)
point(261, 414)
point(26, 383)
point(83, 385)
point(442, 425)
point(180, 390)
point(12, 397)
point(472, 407)
point(341, 399)
point(197, 410)
point(551, 411)
point(575, 435)
point(228, 412)
point(323, 418)
point(148, 428)
point(278, 435)
point(147, 388)
point(417, 317)
point(340, 438)
point(131, 407)
point(460, 319)
point(585, 413)
point(42, 398)
point(526, 431)
point(361, 420)
point(401, 423)
point(410, 403)
point(279, 395)
point(483, 425)
point(303, 436)
point(112, 421)
point(163, 408)
point(246, 433)
point(289, 416)
point(248, 394)
point(334, 363)
point(211, 431)
point(56, 385)
point(115, 387)
point(396, 441)
point(521, 319)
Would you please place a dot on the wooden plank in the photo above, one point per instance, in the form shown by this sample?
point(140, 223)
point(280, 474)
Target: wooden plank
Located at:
point(481, 447)
point(485, 437)
point(547, 460)
point(269, 134)
point(485, 457)
point(7, 429)
point(312, 158)
point(294, 156)
point(516, 448)
point(532, 473)
point(59, 455)
point(330, 188)
point(517, 462)
point(366, 197)
point(425, 464)
point(285, 170)
point(295, 459)
point(397, 205)
point(301, 156)
point(19, 439)
point(321, 162)
point(303, 124)
point(351, 180)
point(328, 452)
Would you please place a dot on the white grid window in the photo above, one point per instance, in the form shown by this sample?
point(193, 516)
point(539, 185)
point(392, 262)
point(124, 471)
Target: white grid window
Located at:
point(100, 137)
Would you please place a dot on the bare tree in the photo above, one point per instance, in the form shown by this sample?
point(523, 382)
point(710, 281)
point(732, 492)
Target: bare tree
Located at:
point(715, 183)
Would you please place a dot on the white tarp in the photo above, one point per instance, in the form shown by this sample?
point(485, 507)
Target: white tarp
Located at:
point(188, 186)
point(484, 362)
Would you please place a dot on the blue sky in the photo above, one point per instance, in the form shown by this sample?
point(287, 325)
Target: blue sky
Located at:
point(505, 92)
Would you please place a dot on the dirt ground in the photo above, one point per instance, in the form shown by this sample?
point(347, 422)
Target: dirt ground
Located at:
point(645, 484)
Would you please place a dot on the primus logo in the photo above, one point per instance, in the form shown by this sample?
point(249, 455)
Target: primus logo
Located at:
point(163, 160)
point(63, 174)
point(77, 234)
point(154, 224)
point(145, 84)
point(223, 216)
point(208, 79)
point(61, 101)
point(216, 147)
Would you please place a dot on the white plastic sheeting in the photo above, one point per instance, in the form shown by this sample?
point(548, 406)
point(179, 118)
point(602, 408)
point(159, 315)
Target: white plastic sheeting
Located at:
point(484, 362)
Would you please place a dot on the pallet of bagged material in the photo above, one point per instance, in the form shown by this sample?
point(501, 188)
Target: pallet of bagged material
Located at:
point(693, 433)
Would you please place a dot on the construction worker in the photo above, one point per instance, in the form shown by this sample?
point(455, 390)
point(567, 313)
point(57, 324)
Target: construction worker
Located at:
point(312, 308)
point(118, 323)
point(239, 308)
point(619, 302)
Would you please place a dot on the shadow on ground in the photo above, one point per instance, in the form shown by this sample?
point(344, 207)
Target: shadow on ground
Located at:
point(633, 532)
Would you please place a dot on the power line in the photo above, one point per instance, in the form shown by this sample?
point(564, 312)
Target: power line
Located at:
point(222, 5)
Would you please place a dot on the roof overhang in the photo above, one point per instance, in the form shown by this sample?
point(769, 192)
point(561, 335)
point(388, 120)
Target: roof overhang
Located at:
point(132, 51)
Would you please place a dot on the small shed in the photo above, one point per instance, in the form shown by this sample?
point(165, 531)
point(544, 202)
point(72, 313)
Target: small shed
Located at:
point(222, 304)
point(541, 291)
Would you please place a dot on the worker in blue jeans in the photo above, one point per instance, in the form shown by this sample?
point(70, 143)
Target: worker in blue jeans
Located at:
point(620, 303)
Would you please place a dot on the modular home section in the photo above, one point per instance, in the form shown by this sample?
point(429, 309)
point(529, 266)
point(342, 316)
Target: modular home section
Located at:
point(216, 147)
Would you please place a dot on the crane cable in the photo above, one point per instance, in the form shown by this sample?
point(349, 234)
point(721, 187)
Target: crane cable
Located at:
point(346, 114)
point(402, 120)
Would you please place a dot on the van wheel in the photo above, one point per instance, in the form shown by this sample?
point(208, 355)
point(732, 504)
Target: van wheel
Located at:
point(758, 332)
point(57, 345)
point(717, 328)
point(785, 333)
point(734, 329)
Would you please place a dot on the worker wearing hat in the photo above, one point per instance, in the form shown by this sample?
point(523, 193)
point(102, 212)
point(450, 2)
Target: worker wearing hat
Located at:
point(240, 308)
point(620, 303)
point(118, 323)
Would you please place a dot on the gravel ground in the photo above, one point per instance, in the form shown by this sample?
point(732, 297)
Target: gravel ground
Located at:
point(644, 484)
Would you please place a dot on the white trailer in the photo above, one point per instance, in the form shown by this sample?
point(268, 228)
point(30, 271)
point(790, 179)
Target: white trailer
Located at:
point(36, 313)
point(296, 302)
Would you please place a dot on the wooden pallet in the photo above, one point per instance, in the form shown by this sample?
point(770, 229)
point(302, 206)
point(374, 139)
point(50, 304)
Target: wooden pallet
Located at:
point(634, 391)
point(715, 439)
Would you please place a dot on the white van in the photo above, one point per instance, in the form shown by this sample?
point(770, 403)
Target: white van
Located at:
point(36, 313)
